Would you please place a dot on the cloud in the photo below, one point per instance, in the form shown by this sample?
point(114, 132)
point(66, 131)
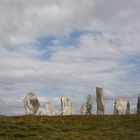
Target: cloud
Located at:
point(24, 22)
point(104, 53)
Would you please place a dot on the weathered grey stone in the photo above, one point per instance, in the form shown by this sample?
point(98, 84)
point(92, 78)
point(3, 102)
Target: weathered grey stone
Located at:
point(128, 108)
point(67, 107)
point(49, 107)
point(121, 106)
point(138, 105)
point(31, 103)
point(99, 99)
point(83, 109)
point(89, 105)
point(115, 109)
point(72, 109)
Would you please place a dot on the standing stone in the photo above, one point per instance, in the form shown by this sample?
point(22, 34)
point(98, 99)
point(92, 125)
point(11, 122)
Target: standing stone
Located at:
point(31, 103)
point(72, 109)
point(138, 105)
point(49, 107)
point(115, 109)
point(83, 109)
point(67, 107)
point(121, 106)
point(128, 108)
point(89, 105)
point(99, 99)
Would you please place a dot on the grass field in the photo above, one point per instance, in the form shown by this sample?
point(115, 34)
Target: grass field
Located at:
point(94, 127)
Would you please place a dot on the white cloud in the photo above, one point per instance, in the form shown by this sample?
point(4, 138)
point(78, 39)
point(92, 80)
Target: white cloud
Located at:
point(24, 21)
point(110, 36)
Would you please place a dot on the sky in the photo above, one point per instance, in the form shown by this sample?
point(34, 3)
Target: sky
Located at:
point(68, 48)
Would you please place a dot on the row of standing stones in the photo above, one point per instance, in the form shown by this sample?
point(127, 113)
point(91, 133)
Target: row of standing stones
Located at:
point(121, 105)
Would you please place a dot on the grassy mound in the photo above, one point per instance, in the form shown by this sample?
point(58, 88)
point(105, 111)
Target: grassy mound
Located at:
point(107, 127)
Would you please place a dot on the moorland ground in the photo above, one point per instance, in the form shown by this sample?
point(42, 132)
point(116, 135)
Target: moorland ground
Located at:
point(93, 127)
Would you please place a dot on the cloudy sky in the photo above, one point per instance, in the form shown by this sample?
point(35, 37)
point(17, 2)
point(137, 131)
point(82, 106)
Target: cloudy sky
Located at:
point(68, 47)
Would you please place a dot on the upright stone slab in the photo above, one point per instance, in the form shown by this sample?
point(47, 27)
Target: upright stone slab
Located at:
point(115, 109)
point(128, 108)
point(72, 109)
point(138, 105)
point(49, 107)
point(121, 106)
point(31, 103)
point(67, 107)
point(99, 99)
point(83, 109)
point(89, 105)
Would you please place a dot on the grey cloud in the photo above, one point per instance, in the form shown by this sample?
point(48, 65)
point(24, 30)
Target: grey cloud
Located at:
point(24, 21)
point(98, 60)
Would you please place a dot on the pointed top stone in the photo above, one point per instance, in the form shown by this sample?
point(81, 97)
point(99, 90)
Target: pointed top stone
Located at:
point(31, 103)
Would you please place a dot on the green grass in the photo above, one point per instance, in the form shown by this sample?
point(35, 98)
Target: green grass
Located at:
point(107, 127)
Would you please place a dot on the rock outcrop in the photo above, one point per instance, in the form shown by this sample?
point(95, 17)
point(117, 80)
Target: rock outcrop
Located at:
point(31, 103)
point(121, 106)
point(49, 107)
point(99, 100)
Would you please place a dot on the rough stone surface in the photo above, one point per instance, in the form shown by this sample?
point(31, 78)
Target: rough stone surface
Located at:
point(83, 109)
point(99, 99)
point(89, 104)
point(31, 103)
point(138, 105)
point(67, 106)
point(49, 107)
point(121, 106)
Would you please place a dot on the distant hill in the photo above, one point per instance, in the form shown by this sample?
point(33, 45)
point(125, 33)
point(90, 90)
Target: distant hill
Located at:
point(106, 127)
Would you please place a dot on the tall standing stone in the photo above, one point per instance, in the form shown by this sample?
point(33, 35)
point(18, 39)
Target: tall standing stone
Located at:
point(49, 107)
point(31, 103)
point(99, 99)
point(121, 106)
point(138, 105)
point(89, 105)
point(67, 107)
